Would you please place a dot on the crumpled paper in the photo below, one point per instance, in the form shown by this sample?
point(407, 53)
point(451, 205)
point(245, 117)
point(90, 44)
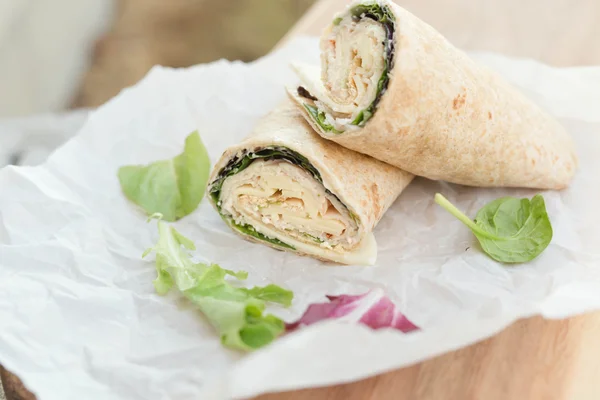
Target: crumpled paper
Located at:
point(78, 314)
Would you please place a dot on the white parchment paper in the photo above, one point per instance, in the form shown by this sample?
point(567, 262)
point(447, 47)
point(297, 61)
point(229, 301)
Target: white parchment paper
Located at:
point(78, 314)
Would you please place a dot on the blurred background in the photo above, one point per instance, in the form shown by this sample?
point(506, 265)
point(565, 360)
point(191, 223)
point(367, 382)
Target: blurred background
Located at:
point(61, 58)
point(64, 54)
point(61, 54)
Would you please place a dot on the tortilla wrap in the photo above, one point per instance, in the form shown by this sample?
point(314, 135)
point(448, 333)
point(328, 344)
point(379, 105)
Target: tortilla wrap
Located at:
point(286, 187)
point(392, 87)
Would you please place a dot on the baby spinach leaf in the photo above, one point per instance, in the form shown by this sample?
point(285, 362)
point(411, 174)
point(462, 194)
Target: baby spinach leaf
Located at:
point(510, 230)
point(173, 187)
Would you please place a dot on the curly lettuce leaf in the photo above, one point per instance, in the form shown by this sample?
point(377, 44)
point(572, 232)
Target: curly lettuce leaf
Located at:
point(373, 309)
point(236, 313)
point(173, 188)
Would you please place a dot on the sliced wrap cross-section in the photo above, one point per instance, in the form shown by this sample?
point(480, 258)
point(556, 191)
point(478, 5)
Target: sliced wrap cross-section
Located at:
point(392, 87)
point(286, 187)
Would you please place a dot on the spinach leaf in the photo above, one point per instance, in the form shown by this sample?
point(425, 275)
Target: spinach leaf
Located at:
point(236, 313)
point(173, 188)
point(510, 230)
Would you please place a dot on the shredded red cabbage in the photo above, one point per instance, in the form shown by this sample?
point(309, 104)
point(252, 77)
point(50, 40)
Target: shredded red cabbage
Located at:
point(373, 309)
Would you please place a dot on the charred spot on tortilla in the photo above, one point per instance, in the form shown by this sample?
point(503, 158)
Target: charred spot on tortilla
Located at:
point(302, 92)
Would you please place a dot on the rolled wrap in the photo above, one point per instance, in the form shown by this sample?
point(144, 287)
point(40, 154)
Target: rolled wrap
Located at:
point(392, 87)
point(286, 187)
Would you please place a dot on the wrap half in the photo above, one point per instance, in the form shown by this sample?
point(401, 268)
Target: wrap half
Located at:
point(392, 87)
point(286, 187)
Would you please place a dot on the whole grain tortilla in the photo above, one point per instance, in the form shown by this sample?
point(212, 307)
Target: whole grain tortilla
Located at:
point(445, 117)
point(365, 186)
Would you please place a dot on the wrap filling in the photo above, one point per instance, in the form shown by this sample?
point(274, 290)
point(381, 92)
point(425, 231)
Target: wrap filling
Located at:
point(356, 57)
point(276, 195)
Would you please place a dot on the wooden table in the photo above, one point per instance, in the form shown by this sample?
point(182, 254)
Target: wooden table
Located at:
point(532, 359)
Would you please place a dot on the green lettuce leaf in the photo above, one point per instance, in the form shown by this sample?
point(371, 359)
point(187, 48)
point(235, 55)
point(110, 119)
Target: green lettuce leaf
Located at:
point(510, 230)
point(377, 12)
point(236, 313)
point(173, 188)
point(250, 231)
point(319, 117)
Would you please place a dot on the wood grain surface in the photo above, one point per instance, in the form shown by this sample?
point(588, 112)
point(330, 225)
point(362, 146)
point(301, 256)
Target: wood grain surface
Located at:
point(532, 359)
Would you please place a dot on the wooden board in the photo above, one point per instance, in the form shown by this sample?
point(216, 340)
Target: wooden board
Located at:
point(534, 358)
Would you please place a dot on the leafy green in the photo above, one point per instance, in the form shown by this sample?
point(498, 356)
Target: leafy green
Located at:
point(509, 230)
point(313, 238)
point(375, 11)
point(319, 117)
point(250, 231)
point(235, 313)
point(173, 187)
point(362, 117)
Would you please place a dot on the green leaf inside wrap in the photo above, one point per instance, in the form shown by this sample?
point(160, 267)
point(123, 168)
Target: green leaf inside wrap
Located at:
point(173, 187)
point(320, 119)
point(236, 313)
